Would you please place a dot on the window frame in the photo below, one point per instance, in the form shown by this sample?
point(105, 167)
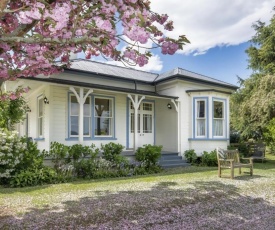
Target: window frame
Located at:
point(224, 119)
point(40, 130)
point(195, 118)
point(70, 115)
point(112, 118)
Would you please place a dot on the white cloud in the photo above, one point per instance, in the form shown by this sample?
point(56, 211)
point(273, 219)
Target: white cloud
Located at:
point(214, 22)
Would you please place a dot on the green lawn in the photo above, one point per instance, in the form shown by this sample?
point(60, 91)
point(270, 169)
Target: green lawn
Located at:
point(182, 198)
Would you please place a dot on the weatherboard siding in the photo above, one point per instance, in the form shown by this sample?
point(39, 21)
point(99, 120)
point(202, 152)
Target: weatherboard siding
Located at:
point(59, 113)
point(166, 126)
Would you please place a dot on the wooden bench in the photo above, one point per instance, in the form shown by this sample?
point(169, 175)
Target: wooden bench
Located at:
point(257, 151)
point(230, 159)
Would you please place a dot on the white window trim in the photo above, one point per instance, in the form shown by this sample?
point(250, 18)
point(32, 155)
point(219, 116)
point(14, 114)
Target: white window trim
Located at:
point(112, 135)
point(70, 115)
point(40, 133)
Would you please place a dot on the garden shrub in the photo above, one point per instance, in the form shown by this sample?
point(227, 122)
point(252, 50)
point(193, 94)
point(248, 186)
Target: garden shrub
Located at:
point(11, 153)
point(58, 152)
point(38, 176)
point(112, 152)
point(78, 151)
point(190, 156)
point(31, 156)
point(149, 156)
point(243, 149)
point(209, 159)
point(13, 111)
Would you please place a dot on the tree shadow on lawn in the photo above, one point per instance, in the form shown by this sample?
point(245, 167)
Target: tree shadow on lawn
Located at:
point(199, 205)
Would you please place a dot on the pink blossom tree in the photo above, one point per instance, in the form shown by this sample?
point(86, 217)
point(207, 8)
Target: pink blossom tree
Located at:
point(35, 33)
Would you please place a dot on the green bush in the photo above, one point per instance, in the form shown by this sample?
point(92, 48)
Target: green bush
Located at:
point(11, 154)
point(38, 176)
point(12, 111)
point(112, 152)
point(209, 159)
point(31, 156)
point(190, 156)
point(148, 155)
point(58, 152)
point(78, 151)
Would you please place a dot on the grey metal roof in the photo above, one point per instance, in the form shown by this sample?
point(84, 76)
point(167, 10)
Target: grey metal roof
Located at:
point(182, 73)
point(112, 70)
point(133, 74)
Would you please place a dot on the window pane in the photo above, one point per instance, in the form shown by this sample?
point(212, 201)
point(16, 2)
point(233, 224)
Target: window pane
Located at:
point(74, 106)
point(201, 109)
point(200, 127)
point(87, 108)
point(147, 106)
point(40, 126)
point(103, 107)
point(86, 126)
point(103, 126)
point(74, 125)
point(132, 122)
point(218, 109)
point(40, 107)
point(218, 127)
point(147, 123)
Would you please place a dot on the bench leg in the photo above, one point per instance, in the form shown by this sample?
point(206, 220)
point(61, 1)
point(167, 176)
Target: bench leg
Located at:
point(240, 170)
point(232, 173)
point(251, 171)
point(219, 171)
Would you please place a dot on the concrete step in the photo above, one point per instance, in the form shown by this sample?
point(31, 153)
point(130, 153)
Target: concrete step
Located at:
point(175, 165)
point(167, 158)
point(172, 160)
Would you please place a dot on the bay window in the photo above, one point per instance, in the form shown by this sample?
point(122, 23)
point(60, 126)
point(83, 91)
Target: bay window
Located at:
point(200, 118)
point(218, 118)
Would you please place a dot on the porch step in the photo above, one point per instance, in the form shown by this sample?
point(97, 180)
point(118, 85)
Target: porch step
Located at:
point(172, 160)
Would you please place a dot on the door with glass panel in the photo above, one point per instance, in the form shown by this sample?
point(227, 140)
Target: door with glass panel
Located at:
point(145, 124)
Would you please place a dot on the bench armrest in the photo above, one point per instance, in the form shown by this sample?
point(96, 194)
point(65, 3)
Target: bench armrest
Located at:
point(248, 158)
point(230, 160)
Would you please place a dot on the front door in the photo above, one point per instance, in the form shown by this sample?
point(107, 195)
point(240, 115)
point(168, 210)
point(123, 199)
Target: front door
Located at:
point(145, 124)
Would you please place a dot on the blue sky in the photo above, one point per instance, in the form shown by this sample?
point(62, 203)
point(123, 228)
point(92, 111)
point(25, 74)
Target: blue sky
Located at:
point(219, 31)
point(222, 62)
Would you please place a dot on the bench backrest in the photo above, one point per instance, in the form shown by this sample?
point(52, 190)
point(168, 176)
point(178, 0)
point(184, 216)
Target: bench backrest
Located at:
point(223, 154)
point(257, 150)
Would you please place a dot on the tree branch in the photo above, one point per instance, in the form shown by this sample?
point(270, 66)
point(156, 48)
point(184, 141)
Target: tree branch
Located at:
point(21, 30)
point(3, 6)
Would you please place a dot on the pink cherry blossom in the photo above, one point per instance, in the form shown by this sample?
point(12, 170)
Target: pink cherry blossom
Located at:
point(35, 34)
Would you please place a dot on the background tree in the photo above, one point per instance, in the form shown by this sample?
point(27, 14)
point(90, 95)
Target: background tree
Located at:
point(34, 33)
point(13, 108)
point(253, 105)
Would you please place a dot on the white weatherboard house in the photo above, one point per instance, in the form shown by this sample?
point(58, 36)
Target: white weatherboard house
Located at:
point(99, 103)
